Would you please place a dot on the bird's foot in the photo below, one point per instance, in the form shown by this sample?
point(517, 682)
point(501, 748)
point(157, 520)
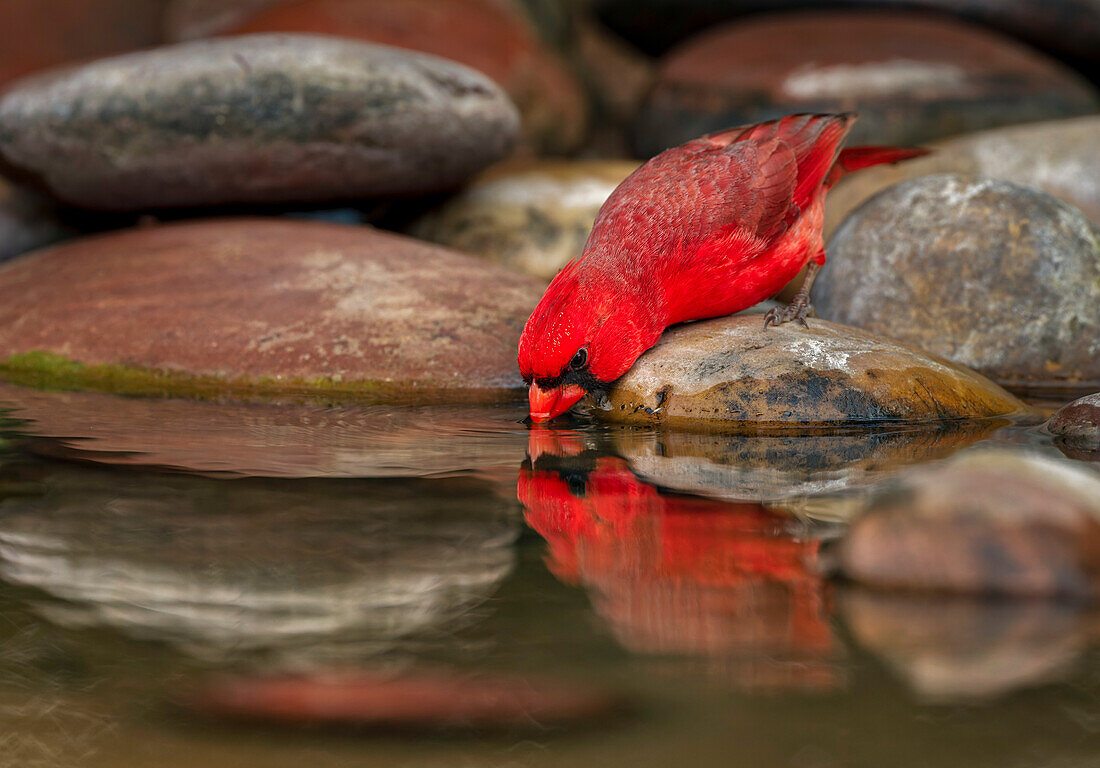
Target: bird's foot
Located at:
point(798, 310)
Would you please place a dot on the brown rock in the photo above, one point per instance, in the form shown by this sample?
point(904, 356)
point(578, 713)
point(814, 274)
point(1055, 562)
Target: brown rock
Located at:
point(262, 306)
point(486, 35)
point(989, 522)
point(1060, 157)
point(256, 119)
point(732, 374)
point(997, 276)
point(531, 217)
point(1079, 421)
point(912, 78)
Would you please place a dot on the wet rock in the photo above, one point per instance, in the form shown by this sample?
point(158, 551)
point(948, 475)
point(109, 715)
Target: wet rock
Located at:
point(988, 522)
point(27, 221)
point(1060, 157)
point(912, 78)
point(532, 217)
point(286, 574)
point(434, 700)
point(255, 119)
point(997, 276)
point(40, 34)
point(732, 374)
point(1079, 421)
point(486, 35)
point(257, 307)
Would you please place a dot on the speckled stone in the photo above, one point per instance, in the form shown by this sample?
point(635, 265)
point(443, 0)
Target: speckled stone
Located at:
point(532, 217)
point(913, 78)
point(1060, 157)
point(254, 306)
point(1078, 421)
point(732, 374)
point(997, 276)
point(988, 522)
point(253, 119)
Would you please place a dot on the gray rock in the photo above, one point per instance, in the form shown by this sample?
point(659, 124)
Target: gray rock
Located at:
point(997, 276)
point(253, 119)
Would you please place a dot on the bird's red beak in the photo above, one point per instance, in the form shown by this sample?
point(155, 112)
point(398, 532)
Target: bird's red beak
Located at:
point(548, 403)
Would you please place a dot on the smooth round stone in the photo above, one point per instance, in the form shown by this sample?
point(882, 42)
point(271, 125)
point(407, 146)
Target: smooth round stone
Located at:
point(1060, 157)
point(997, 276)
point(27, 221)
point(487, 35)
point(253, 307)
point(1078, 421)
point(912, 78)
point(254, 119)
point(733, 374)
point(989, 522)
point(531, 217)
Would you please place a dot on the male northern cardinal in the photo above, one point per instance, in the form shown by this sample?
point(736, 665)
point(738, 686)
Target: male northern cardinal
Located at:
point(702, 230)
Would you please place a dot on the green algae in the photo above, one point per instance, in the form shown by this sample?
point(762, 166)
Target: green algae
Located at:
point(50, 371)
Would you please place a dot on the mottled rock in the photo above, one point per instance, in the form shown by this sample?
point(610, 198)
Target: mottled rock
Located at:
point(532, 217)
point(1079, 421)
point(268, 439)
point(486, 35)
point(27, 221)
point(733, 374)
point(912, 78)
point(988, 522)
point(253, 307)
point(438, 699)
point(253, 119)
point(290, 574)
point(997, 276)
point(1060, 157)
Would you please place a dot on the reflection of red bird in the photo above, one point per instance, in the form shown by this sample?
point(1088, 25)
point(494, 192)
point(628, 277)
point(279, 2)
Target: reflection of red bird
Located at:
point(676, 573)
point(703, 230)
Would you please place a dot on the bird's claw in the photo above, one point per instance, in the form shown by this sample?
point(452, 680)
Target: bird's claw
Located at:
point(796, 310)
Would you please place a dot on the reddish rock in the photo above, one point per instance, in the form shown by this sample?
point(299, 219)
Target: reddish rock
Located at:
point(911, 77)
point(486, 35)
point(1079, 421)
point(255, 306)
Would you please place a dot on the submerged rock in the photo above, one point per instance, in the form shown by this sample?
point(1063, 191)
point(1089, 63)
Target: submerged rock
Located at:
point(532, 217)
point(1060, 157)
point(486, 35)
point(996, 276)
point(733, 374)
point(1079, 421)
point(912, 78)
point(988, 522)
point(253, 307)
point(255, 119)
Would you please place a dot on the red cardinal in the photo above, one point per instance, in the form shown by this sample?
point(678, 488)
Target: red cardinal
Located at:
point(702, 230)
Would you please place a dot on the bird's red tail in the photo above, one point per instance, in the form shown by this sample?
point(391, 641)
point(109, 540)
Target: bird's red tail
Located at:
point(857, 158)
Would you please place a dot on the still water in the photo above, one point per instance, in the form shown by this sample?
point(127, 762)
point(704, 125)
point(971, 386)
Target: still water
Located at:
point(150, 547)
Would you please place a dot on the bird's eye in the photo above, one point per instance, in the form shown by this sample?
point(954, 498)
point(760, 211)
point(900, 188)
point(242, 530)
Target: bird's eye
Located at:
point(579, 360)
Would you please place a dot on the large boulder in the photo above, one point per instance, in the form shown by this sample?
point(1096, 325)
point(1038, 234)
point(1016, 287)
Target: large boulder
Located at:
point(912, 78)
point(256, 307)
point(994, 275)
point(733, 374)
point(255, 119)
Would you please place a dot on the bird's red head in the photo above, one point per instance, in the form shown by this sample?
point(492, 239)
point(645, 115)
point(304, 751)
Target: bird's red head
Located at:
point(581, 337)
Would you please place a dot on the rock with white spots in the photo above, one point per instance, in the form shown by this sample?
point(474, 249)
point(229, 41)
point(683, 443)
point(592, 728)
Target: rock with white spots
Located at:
point(1078, 421)
point(733, 374)
point(997, 276)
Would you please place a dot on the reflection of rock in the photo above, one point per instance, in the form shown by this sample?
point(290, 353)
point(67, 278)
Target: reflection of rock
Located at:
point(1079, 421)
point(533, 217)
point(957, 648)
point(734, 374)
point(277, 440)
point(304, 572)
point(994, 275)
point(677, 574)
point(256, 119)
point(256, 307)
point(987, 522)
point(912, 78)
point(773, 468)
